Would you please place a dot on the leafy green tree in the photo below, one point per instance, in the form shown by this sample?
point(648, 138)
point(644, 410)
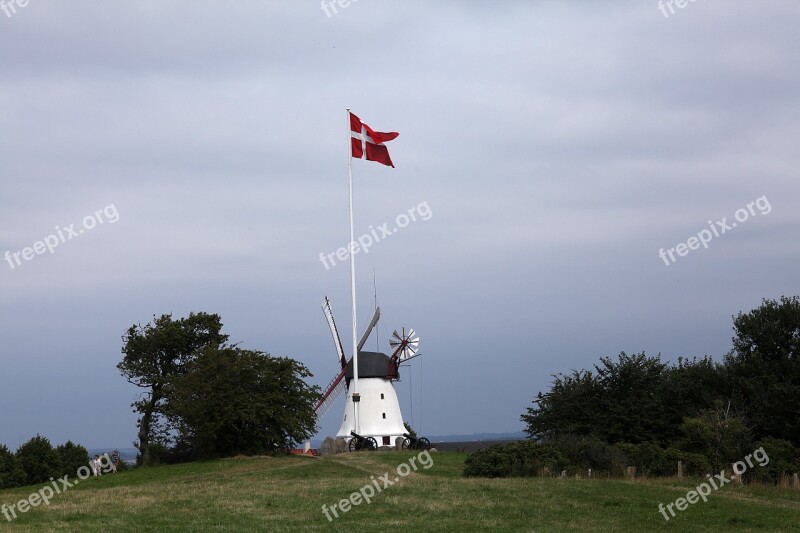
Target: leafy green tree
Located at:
point(570, 408)
point(632, 399)
point(721, 436)
point(11, 472)
point(691, 386)
point(39, 460)
point(764, 368)
point(631, 408)
point(71, 457)
point(157, 353)
point(233, 401)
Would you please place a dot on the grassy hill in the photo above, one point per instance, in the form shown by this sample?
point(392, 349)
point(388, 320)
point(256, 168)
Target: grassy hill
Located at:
point(287, 493)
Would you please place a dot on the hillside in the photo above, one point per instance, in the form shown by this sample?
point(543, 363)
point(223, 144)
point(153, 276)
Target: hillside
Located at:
point(287, 493)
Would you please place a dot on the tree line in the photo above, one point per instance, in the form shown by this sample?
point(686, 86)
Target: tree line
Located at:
point(37, 461)
point(639, 410)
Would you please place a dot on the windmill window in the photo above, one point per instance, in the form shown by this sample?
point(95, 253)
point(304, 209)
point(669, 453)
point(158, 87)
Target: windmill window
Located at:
point(384, 416)
point(386, 441)
point(381, 396)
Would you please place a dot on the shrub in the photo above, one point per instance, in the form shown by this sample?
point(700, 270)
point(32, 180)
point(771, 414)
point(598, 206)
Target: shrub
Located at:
point(514, 459)
point(648, 458)
point(39, 460)
point(71, 457)
point(582, 454)
point(11, 472)
point(694, 464)
point(122, 466)
point(783, 459)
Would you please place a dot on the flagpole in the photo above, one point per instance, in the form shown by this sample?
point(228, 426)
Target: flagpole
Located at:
point(356, 395)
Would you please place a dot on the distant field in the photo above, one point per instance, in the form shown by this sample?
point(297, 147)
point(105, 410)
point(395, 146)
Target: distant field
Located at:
point(287, 493)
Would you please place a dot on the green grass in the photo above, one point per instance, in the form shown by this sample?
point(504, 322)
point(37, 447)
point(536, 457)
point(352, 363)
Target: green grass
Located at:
point(287, 493)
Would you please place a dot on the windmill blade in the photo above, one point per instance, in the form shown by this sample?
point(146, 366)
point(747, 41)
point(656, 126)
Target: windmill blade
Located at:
point(412, 357)
point(396, 339)
point(405, 344)
point(335, 389)
point(408, 352)
point(406, 333)
point(369, 329)
point(326, 309)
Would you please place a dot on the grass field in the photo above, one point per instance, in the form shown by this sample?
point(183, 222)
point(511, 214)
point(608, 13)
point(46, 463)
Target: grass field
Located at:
point(287, 494)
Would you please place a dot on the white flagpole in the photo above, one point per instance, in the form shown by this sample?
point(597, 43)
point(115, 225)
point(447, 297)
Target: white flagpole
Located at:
point(356, 395)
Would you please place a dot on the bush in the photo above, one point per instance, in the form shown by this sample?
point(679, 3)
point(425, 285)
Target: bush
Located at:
point(514, 459)
point(11, 472)
point(39, 460)
point(694, 464)
point(783, 459)
point(71, 457)
point(122, 466)
point(582, 454)
point(649, 458)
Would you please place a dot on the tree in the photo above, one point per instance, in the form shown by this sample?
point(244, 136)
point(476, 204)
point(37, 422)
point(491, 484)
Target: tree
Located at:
point(632, 399)
point(157, 353)
point(690, 387)
point(719, 435)
point(233, 401)
point(764, 368)
point(769, 333)
point(631, 408)
point(71, 457)
point(39, 460)
point(11, 472)
point(569, 409)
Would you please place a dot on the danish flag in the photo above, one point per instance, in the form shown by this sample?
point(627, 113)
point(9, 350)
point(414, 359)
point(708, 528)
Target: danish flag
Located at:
point(364, 140)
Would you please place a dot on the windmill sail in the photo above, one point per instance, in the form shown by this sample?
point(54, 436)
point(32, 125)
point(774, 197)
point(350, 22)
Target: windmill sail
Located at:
point(326, 308)
point(335, 389)
point(371, 326)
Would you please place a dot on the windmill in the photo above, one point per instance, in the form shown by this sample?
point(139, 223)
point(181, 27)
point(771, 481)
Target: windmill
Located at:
point(379, 415)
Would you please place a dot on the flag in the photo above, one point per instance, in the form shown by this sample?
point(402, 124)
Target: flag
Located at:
point(364, 140)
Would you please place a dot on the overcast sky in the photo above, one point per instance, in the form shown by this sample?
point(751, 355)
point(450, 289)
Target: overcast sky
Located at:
point(557, 147)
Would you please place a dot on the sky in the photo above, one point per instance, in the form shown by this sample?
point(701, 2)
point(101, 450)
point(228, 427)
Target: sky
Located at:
point(575, 169)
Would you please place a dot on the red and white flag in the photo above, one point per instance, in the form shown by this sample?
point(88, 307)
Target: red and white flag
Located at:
point(364, 140)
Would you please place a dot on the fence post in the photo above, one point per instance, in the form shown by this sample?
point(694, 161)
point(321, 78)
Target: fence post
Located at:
point(734, 477)
point(680, 469)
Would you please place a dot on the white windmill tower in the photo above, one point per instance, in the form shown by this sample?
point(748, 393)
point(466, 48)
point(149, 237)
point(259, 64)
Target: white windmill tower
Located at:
point(378, 415)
